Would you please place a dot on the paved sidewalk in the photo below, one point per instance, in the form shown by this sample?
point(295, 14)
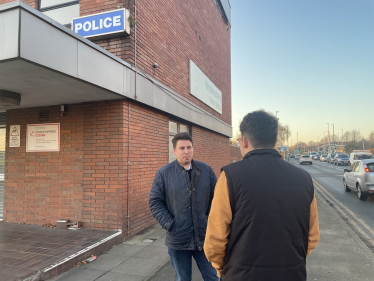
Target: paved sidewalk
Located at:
point(339, 256)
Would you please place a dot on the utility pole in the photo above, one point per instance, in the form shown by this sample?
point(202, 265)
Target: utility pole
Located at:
point(318, 145)
point(328, 136)
point(333, 136)
point(324, 136)
point(342, 137)
point(297, 143)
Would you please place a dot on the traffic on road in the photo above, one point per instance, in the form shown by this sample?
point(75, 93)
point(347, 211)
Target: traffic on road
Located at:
point(349, 190)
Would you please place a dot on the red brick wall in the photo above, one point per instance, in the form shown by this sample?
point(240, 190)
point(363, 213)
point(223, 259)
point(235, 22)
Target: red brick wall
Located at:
point(235, 154)
point(32, 3)
point(211, 148)
point(149, 151)
point(105, 165)
point(89, 180)
point(44, 186)
point(170, 32)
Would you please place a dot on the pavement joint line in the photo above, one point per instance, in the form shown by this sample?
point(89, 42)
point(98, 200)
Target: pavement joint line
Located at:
point(346, 208)
point(82, 251)
point(157, 270)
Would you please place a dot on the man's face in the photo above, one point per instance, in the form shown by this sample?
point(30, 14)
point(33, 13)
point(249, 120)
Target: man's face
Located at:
point(184, 152)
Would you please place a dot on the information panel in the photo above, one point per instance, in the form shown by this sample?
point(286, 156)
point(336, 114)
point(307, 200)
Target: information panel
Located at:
point(15, 136)
point(43, 137)
point(202, 88)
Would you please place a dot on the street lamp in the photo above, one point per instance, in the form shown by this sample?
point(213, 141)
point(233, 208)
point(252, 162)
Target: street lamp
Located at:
point(342, 137)
point(333, 137)
point(328, 135)
point(297, 143)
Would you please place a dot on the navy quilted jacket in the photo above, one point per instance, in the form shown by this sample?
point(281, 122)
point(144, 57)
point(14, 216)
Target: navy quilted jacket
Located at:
point(182, 206)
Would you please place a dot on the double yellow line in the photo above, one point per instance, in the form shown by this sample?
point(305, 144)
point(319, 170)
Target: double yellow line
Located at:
point(362, 227)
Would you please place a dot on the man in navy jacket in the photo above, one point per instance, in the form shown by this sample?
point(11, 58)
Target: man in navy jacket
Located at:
point(180, 200)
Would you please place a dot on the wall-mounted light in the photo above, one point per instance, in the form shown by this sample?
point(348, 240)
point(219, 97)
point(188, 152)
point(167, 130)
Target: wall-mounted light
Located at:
point(63, 109)
point(8, 98)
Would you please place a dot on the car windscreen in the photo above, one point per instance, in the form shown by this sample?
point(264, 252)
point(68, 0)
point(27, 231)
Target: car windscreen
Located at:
point(333, 155)
point(343, 156)
point(364, 156)
point(305, 156)
point(324, 155)
point(370, 167)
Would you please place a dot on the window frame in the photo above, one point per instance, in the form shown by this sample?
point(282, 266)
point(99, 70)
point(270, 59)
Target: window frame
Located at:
point(54, 7)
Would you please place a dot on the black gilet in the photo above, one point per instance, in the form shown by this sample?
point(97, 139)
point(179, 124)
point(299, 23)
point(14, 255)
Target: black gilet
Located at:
point(270, 201)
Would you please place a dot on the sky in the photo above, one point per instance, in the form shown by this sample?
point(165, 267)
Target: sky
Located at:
point(311, 60)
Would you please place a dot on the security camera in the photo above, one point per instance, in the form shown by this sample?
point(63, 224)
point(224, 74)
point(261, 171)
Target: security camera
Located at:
point(155, 65)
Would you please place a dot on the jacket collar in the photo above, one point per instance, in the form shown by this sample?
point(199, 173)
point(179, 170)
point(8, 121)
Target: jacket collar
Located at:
point(262, 152)
point(193, 165)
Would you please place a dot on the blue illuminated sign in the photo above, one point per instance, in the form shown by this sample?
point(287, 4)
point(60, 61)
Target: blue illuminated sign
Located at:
point(102, 25)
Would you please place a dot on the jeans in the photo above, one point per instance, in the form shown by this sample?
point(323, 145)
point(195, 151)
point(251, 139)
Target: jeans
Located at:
point(182, 263)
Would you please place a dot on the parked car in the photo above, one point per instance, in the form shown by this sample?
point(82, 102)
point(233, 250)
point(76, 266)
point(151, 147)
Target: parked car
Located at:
point(360, 177)
point(315, 157)
point(341, 159)
point(305, 159)
point(360, 155)
point(313, 153)
point(330, 157)
point(297, 156)
point(323, 158)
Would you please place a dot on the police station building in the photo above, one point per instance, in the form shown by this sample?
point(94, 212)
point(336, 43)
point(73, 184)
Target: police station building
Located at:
point(91, 94)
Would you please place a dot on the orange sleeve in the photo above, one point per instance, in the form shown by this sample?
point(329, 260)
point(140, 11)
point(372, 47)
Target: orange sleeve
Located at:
point(313, 226)
point(218, 228)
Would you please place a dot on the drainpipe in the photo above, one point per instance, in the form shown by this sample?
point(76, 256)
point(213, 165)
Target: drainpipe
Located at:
point(136, 69)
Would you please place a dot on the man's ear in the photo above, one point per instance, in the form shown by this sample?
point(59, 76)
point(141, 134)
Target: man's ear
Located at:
point(245, 142)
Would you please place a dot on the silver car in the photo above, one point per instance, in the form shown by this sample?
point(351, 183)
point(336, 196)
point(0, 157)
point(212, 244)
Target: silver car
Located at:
point(297, 156)
point(360, 177)
point(323, 158)
point(305, 159)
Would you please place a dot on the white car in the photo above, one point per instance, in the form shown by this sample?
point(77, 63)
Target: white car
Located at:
point(305, 159)
point(297, 156)
point(360, 155)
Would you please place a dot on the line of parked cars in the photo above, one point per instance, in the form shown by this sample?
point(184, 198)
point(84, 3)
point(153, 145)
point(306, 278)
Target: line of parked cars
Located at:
point(358, 177)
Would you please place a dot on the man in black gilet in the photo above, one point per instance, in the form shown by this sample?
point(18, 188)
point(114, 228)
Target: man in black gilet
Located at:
point(263, 221)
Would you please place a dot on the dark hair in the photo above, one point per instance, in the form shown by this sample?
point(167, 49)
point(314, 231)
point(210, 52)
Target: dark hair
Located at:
point(260, 128)
point(181, 136)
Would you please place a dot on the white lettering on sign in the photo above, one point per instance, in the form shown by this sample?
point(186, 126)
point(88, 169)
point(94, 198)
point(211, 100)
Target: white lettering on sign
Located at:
point(87, 26)
point(106, 25)
point(117, 21)
point(93, 26)
point(103, 25)
point(78, 27)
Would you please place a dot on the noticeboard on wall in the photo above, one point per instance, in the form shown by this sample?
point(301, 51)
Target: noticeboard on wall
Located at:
point(43, 137)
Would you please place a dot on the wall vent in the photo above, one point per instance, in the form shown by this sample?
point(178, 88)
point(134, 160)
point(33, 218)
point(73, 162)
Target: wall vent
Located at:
point(44, 115)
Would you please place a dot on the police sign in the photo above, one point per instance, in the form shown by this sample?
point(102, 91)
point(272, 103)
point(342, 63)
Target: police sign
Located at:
point(103, 25)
